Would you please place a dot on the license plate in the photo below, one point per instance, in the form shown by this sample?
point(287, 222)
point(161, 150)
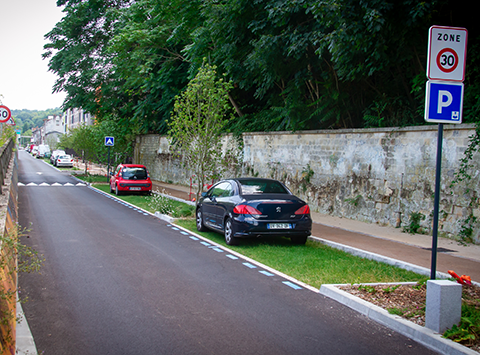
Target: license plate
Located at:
point(279, 226)
point(135, 188)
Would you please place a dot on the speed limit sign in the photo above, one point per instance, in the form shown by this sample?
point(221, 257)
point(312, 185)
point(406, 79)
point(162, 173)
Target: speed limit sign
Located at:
point(447, 51)
point(5, 113)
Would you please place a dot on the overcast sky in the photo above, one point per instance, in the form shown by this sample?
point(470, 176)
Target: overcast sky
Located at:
point(25, 82)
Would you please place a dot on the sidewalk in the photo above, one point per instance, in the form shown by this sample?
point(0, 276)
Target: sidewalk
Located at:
point(388, 242)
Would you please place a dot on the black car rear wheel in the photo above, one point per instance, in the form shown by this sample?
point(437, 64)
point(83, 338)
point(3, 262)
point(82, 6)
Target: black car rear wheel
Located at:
point(228, 231)
point(200, 226)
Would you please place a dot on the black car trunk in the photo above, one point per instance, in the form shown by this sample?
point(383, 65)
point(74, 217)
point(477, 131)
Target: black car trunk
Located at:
point(275, 206)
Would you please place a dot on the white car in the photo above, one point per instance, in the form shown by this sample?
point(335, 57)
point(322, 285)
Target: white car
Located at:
point(55, 154)
point(64, 160)
point(43, 151)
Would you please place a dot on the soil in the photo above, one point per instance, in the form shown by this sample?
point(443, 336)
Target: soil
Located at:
point(408, 301)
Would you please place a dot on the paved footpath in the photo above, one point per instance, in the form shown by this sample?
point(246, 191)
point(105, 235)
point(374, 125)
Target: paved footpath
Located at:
point(385, 241)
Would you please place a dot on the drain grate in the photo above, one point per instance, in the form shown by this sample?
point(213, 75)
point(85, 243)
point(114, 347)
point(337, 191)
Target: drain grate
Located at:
point(442, 250)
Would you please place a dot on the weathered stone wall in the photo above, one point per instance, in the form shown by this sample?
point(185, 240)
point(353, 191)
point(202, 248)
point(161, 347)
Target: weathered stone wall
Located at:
point(8, 275)
point(373, 175)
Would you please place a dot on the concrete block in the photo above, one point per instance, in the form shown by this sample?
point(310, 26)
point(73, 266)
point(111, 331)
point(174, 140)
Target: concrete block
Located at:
point(444, 305)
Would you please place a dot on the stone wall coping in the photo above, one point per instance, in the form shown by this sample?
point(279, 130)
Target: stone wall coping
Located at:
point(464, 126)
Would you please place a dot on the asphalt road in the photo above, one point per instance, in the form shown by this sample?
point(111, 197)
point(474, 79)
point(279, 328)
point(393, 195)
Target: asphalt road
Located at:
point(118, 281)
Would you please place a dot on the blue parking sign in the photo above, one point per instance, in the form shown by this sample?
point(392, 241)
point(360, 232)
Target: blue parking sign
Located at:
point(444, 102)
point(109, 141)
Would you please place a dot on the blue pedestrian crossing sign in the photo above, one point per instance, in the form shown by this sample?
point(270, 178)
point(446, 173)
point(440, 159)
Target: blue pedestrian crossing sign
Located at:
point(444, 102)
point(109, 141)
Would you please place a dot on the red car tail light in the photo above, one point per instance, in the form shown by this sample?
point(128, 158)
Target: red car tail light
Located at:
point(246, 209)
point(303, 210)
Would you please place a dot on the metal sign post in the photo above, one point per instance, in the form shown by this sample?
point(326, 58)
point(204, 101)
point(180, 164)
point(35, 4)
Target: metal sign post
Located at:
point(109, 142)
point(447, 50)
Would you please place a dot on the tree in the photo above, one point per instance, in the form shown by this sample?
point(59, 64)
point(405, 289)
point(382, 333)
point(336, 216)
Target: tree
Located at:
point(78, 50)
point(81, 140)
point(295, 65)
point(198, 119)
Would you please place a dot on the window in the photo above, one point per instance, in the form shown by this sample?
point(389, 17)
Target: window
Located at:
point(257, 186)
point(134, 173)
point(222, 190)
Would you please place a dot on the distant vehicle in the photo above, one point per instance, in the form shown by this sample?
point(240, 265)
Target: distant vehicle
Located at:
point(251, 207)
point(34, 150)
point(43, 151)
point(64, 160)
point(55, 154)
point(130, 178)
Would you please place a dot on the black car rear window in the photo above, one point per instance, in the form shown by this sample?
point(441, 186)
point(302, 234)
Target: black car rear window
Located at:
point(252, 187)
point(134, 173)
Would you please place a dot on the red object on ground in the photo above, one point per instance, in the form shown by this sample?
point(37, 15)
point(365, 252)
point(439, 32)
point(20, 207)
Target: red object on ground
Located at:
point(464, 279)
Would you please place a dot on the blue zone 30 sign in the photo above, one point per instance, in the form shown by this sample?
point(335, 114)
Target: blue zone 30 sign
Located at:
point(444, 102)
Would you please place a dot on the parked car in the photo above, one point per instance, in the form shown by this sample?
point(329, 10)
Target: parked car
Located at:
point(34, 150)
point(130, 178)
point(251, 207)
point(55, 154)
point(43, 151)
point(65, 160)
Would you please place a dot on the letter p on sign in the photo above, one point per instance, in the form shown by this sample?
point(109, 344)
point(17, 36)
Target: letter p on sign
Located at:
point(441, 103)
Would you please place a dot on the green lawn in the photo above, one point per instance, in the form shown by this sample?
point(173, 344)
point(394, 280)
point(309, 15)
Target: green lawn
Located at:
point(313, 263)
point(154, 203)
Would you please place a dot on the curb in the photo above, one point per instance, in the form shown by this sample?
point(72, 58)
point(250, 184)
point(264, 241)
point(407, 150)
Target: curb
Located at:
point(422, 335)
point(24, 342)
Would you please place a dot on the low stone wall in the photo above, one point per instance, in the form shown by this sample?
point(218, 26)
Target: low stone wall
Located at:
point(8, 276)
point(380, 175)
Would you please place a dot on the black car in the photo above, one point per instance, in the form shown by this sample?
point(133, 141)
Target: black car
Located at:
point(251, 207)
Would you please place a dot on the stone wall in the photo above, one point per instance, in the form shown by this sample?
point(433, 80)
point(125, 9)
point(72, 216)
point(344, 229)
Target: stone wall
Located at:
point(379, 175)
point(8, 275)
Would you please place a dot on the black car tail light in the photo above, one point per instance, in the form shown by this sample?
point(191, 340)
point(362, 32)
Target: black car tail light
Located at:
point(303, 210)
point(246, 209)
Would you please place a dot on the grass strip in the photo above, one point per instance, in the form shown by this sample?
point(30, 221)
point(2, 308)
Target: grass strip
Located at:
point(178, 209)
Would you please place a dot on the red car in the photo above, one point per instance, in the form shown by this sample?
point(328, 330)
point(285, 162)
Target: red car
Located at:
point(130, 178)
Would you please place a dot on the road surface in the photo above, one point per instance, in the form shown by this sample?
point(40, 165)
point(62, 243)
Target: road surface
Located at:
point(119, 281)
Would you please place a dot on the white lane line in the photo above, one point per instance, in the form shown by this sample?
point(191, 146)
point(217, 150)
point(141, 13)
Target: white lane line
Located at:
point(266, 273)
point(292, 285)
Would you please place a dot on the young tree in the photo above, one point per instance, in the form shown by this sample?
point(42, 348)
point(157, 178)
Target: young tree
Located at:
point(198, 119)
point(81, 140)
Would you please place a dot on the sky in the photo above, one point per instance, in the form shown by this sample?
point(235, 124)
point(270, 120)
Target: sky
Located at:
point(25, 82)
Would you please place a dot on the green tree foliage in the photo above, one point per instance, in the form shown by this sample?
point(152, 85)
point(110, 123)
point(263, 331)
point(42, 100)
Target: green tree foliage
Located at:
point(147, 56)
point(77, 50)
point(88, 142)
point(294, 64)
point(198, 120)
